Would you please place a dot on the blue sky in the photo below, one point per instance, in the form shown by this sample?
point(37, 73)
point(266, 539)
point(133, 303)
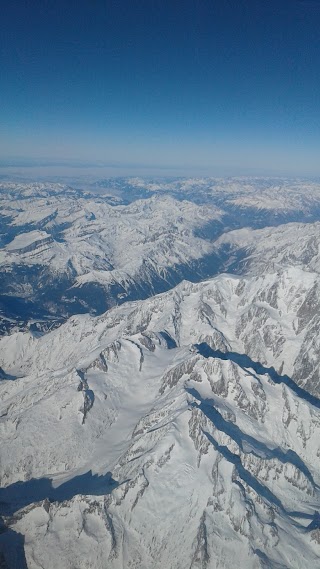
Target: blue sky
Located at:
point(228, 87)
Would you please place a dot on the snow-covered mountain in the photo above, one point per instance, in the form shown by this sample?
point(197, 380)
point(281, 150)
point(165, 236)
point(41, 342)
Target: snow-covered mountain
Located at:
point(65, 251)
point(253, 201)
point(70, 253)
point(173, 432)
point(272, 248)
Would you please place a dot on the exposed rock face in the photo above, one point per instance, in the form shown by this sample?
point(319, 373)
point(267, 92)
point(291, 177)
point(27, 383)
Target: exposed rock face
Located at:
point(65, 251)
point(181, 431)
point(198, 405)
point(29, 242)
point(70, 252)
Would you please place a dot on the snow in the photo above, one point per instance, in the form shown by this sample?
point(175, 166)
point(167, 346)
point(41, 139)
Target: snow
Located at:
point(131, 246)
point(158, 438)
point(26, 239)
point(294, 244)
point(177, 431)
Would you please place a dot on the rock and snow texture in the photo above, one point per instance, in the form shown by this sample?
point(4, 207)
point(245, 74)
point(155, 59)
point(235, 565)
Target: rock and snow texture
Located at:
point(272, 248)
point(272, 199)
point(66, 251)
point(69, 252)
point(180, 431)
point(173, 432)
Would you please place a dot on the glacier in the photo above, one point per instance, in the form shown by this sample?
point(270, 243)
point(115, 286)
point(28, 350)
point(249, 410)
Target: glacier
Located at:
point(178, 428)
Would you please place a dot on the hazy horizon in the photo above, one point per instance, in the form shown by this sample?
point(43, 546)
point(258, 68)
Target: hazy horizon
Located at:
point(64, 170)
point(209, 87)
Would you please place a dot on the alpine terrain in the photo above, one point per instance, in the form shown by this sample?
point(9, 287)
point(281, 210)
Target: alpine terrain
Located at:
point(160, 374)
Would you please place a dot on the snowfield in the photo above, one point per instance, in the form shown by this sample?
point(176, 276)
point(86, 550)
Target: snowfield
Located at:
point(175, 430)
point(178, 414)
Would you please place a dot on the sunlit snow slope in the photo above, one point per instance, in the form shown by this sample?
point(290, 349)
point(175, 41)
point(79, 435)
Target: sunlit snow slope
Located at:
point(172, 432)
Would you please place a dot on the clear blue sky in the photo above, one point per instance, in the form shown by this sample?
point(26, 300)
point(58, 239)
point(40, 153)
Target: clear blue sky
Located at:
point(229, 86)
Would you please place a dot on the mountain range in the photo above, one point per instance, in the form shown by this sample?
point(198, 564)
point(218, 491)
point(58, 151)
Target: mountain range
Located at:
point(160, 391)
